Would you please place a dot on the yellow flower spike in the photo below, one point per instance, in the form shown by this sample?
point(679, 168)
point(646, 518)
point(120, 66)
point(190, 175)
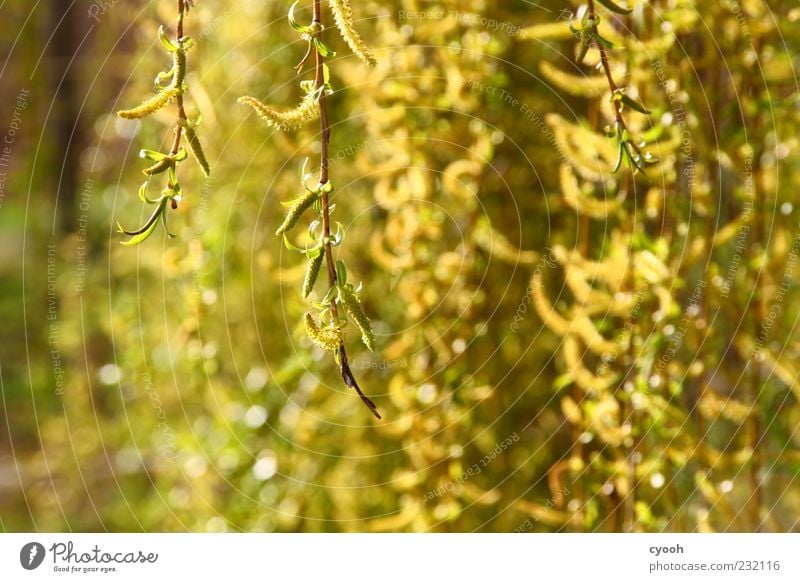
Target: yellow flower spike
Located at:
point(306, 111)
point(343, 16)
point(159, 166)
point(196, 149)
point(296, 211)
point(355, 310)
point(151, 105)
point(327, 338)
point(312, 272)
point(179, 67)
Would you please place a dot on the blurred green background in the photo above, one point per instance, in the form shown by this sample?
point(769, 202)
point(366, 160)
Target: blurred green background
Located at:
point(168, 387)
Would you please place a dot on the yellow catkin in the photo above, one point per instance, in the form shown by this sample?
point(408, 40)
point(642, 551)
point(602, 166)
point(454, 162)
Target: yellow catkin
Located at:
point(545, 309)
point(306, 111)
point(497, 244)
point(605, 421)
point(571, 410)
point(578, 85)
point(666, 303)
point(327, 338)
point(548, 31)
point(586, 205)
point(164, 96)
point(312, 272)
point(591, 300)
point(158, 167)
point(593, 339)
point(612, 270)
point(296, 211)
point(730, 230)
point(590, 153)
point(454, 185)
point(585, 379)
point(712, 406)
point(650, 267)
point(391, 262)
point(152, 105)
point(783, 368)
point(179, 70)
point(653, 48)
point(354, 309)
point(343, 16)
point(197, 150)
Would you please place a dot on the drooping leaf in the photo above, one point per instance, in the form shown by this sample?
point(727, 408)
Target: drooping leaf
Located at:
point(633, 104)
point(614, 7)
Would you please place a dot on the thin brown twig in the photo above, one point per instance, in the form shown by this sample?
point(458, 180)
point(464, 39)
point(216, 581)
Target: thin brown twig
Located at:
point(628, 502)
point(325, 137)
point(607, 69)
point(182, 7)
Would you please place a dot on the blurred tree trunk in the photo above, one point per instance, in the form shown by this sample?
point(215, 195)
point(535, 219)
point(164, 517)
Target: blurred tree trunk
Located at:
point(67, 31)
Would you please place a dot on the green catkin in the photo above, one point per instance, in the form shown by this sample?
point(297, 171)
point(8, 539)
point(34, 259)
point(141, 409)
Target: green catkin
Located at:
point(296, 211)
point(328, 338)
point(197, 150)
point(179, 64)
point(312, 272)
point(307, 111)
point(164, 96)
point(158, 167)
point(343, 15)
point(152, 105)
point(354, 309)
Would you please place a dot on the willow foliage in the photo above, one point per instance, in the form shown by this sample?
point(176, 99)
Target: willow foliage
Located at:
point(570, 284)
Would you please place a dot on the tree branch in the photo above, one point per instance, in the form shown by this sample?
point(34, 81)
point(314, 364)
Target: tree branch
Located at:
point(325, 137)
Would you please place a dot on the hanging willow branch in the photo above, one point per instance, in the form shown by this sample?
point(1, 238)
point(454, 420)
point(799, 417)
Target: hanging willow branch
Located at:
point(324, 327)
point(170, 86)
point(628, 150)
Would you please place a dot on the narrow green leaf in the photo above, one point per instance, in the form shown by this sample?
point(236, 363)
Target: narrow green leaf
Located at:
point(620, 154)
point(615, 7)
point(151, 155)
point(633, 104)
point(288, 244)
point(147, 229)
point(600, 40)
point(164, 220)
point(341, 273)
point(322, 48)
point(141, 237)
point(585, 44)
point(293, 21)
point(168, 44)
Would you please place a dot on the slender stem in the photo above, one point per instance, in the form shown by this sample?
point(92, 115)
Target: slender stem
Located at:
point(705, 336)
point(607, 69)
point(759, 315)
point(179, 99)
point(628, 502)
point(325, 138)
